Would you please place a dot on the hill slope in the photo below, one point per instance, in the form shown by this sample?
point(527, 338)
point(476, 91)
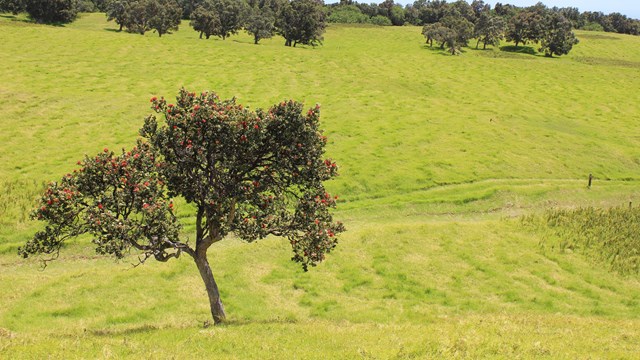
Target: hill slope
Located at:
point(435, 152)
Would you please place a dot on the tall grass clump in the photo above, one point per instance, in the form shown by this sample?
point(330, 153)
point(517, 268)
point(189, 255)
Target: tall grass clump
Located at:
point(610, 235)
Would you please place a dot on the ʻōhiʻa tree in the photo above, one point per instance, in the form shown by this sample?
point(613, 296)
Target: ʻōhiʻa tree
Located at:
point(250, 173)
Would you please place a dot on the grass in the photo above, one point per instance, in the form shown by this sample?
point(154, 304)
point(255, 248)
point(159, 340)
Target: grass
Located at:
point(437, 153)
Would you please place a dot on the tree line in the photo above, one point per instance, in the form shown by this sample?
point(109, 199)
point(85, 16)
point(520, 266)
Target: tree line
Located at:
point(297, 21)
point(423, 12)
point(454, 25)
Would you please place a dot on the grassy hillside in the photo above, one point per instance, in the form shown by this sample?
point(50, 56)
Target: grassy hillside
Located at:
point(436, 154)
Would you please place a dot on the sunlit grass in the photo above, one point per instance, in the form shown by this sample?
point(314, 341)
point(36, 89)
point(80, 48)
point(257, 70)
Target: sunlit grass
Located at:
point(437, 153)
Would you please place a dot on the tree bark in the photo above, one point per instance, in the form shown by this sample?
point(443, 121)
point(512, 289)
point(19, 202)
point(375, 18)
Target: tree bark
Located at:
point(217, 309)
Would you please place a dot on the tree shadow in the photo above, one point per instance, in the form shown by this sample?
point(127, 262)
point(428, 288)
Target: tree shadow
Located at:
point(527, 50)
point(436, 49)
point(8, 16)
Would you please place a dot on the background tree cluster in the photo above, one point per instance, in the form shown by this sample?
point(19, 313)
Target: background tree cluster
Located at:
point(140, 16)
point(422, 12)
point(298, 21)
point(453, 25)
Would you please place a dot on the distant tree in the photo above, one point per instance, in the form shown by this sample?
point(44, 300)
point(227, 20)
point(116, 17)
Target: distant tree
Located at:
point(435, 32)
point(204, 19)
point(137, 16)
point(526, 26)
point(558, 39)
point(380, 20)
point(140, 16)
point(432, 12)
point(347, 14)
point(506, 11)
point(12, 6)
point(52, 11)
point(397, 16)
point(479, 7)
point(117, 11)
point(301, 22)
point(412, 15)
point(370, 10)
point(249, 173)
point(462, 28)
point(461, 8)
point(260, 24)
point(489, 29)
point(446, 35)
point(230, 13)
point(164, 16)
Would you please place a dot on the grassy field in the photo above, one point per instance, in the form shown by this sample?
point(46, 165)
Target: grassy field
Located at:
point(439, 156)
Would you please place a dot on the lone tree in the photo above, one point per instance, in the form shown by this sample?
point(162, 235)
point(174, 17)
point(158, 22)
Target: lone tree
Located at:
point(251, 173)
point(260, 23)
point(557, 39)
point(164, 16)
point(301, 22)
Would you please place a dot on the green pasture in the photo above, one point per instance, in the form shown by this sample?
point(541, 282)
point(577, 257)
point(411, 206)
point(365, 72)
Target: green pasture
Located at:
point(439, 157)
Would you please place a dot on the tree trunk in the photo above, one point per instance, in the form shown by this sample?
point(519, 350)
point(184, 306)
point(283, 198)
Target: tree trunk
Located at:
point(120, 28)
point(256, 39)
point(478, 43)
point(200, 34)
point(217, 309)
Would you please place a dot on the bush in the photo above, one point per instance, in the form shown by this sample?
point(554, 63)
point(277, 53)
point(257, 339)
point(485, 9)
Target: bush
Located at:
point(348, 14)
point(592, 26)
point(380, 20)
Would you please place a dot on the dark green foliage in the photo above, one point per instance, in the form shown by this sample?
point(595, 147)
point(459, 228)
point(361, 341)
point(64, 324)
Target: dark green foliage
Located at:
point(380, 20)
point(489, 29)
point(525, 26)
point(260, 24)
point(12, 6)
point(557, 38)
point(205, 19)
point(396, 15)
point(301, 22)
point(610, 235)
point(347, 14)
point(230, 13)
point(164, 16)
point(140, 16)
point(52, 11)
point(117, 10)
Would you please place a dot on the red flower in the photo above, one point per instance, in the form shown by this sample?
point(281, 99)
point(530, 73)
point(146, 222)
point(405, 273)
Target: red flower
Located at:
point(106, 150)
point(154, 99)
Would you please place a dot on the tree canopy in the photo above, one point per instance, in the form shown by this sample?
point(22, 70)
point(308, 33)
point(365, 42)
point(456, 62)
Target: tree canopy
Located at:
point(250, 173)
